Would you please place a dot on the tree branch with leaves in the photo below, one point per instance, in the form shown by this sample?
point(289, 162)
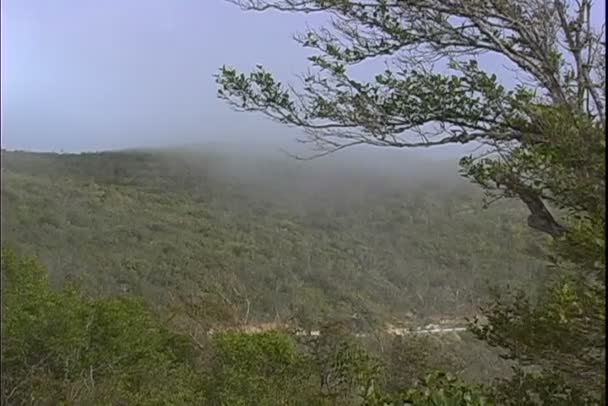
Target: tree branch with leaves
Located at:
point(555, 52)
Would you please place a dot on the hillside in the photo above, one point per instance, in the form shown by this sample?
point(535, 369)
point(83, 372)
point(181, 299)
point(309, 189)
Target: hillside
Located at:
point(261, 239)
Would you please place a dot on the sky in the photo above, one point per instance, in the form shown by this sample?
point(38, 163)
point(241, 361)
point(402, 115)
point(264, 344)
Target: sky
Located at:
point(97, 75)
point(89, 75)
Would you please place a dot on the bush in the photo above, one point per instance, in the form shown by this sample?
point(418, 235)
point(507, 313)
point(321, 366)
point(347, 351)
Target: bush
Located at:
point(63, 348)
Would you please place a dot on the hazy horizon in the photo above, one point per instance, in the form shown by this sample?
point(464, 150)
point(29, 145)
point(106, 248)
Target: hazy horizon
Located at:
point(95, 76)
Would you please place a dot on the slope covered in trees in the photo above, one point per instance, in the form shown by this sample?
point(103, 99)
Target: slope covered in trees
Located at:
point(61, 347)
point(262, 238)
point(209, 241)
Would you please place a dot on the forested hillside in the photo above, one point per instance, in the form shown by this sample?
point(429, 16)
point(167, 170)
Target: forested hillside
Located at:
point(261, 239)
point(447, 247)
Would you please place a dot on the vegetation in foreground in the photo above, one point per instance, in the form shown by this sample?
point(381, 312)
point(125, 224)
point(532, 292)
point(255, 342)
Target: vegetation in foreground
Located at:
point(63, 347)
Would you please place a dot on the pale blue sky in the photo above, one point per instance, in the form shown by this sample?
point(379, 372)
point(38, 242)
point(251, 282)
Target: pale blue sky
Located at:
point(105, 74)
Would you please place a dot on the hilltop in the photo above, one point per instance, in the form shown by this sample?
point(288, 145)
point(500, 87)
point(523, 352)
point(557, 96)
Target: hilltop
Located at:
point(257, 238)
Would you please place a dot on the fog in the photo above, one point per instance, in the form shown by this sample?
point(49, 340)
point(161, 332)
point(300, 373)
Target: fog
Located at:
point(350, 177)
point(89, 75)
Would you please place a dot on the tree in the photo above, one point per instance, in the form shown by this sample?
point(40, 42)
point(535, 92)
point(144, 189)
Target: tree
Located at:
point(563, 332)
point(346, 372)
point(260, 369)
point(437, 389)
point(557, 56)
point(543, 137)
point(63, 348)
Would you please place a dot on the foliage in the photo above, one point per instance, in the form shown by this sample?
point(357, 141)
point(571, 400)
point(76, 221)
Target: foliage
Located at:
point(59, 346)
point(260, 369)
point(264, 240)
point(565, 163)
point(358, 248)
point(436, 389)
point(562, 336)
point(434, 90)
point(346, 372)
point(531, 389)
point(62, 348)
point(563, 332)
point(411, 358)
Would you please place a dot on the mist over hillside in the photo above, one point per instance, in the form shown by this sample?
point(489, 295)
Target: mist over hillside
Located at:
point(267, 235)
point(364, 172)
